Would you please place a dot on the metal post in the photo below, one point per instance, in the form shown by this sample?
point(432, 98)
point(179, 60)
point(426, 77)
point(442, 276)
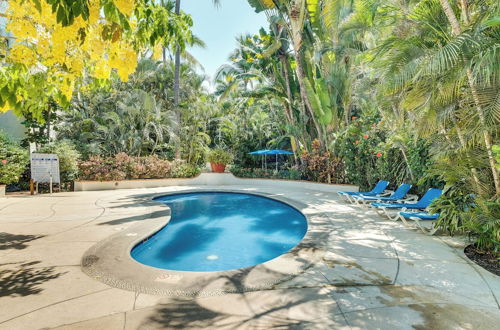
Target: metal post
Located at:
point(50, 182)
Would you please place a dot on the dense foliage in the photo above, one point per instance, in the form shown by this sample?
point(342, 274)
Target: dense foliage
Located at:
point(122, 167)
point(363, 90)
point(13, 160)
point(56, 44)
point(405, 91)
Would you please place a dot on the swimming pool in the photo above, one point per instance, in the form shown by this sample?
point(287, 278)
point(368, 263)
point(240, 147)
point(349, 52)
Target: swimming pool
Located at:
point(216, 231)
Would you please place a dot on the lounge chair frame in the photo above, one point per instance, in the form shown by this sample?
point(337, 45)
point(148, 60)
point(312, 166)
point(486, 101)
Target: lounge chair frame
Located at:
point(419, 224)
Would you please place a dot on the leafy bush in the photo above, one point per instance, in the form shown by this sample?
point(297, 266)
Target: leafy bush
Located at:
point(68, 159)
point(13, 160)
point(123, 167)
point(219, 156)
point(185, 170)
point(371, 154)
point(452, 206)
point(483, 223)
point(101, 169)
point(322, 166)
point(358, 146)
point(255, 173)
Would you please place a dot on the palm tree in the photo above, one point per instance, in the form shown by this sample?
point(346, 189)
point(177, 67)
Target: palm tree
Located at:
point(178, 56)
point(457, 31)
point(178, 66)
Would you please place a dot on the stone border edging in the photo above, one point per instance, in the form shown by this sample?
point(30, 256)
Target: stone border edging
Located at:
point(226, 179)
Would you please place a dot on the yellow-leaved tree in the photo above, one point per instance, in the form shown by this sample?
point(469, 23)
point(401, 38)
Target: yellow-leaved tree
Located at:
point(53, 46)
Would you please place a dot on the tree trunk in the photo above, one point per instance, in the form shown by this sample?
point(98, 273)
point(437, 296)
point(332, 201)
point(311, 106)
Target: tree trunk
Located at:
point(461, 138)
point(288, 108)
point(177, 73)
point(455, 26)
point(403, 151)
point(465, 12)
point(303, 94)
point(177, 62)
point(48, 123)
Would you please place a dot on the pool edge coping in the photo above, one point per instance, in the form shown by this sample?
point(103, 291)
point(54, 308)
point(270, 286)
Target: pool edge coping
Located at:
point(109, 261)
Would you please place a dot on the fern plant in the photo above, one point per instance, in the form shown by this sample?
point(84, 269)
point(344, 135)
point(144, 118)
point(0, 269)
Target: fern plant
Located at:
point(483, 224)
point(452, 207)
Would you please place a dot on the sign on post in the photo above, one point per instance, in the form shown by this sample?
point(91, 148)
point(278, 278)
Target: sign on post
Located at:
point(45, 169)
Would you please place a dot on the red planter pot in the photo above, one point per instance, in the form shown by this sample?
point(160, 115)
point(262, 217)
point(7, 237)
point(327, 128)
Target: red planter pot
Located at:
point(218, 168)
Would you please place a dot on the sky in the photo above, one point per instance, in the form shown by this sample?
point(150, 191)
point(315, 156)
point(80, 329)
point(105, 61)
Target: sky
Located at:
point(219, 27)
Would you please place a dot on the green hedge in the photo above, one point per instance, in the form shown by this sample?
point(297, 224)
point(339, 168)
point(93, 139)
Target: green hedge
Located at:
point(13, 160)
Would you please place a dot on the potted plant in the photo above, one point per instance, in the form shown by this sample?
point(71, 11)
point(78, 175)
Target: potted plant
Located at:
point(218, 159)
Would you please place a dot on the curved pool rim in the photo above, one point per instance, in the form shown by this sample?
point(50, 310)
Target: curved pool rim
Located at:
point(110, 261)
point(286, 205)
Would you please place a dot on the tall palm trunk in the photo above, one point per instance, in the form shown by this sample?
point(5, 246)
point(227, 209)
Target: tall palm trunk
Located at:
point(461, 138)
point(305, 98)
point(288, 107)
point(455, 26)
point(177, 74)
point(177, 62)
point(296, 16)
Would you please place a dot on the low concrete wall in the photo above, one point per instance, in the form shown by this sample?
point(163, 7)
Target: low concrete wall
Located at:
point(207, 179)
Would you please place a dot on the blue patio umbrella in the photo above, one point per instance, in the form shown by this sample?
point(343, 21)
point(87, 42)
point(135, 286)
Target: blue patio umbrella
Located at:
point(275, 152)
point(262, 153)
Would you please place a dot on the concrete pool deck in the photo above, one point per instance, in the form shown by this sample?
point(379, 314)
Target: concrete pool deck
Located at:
point(370, 273)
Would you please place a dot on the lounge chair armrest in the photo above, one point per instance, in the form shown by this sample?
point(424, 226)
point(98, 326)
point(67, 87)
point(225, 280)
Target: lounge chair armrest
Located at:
point(408, 201)
point(411, 198)
point(385, 193)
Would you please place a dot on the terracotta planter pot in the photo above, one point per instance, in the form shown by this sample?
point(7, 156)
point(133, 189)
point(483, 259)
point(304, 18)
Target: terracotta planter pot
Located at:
point(2, 190)
point(218, 168)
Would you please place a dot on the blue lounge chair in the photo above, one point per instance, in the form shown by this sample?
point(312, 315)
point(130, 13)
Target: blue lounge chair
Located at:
point(397, 196)
point(377, 190)
point(419, 218)
point(424, 202)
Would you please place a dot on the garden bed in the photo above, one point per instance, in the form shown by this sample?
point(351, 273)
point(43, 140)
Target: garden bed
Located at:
point(210, 179)
point(487, 260)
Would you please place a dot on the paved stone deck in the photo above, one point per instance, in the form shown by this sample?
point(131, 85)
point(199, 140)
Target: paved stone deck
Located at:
point(372, 274)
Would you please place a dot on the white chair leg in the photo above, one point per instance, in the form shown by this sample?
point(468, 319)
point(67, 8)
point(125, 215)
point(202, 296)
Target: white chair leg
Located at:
point(379, 210)
point(428, 230)
point(434, 229)
point(393, 217)
point(405, 222)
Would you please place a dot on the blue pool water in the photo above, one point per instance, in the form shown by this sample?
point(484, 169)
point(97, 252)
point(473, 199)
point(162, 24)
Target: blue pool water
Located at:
point(221, 231)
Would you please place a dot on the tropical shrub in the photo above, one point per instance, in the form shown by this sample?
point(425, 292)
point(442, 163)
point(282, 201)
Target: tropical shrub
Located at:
point(185, 170)
point(452, 207)
point(256, 173)
point(124, 167)
point(359, 148)
point(13, 160)
point(321, 166)
point(68, 159)
point(483, 224)
point(219, 156)
point(134, 117)
point(101, 169)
